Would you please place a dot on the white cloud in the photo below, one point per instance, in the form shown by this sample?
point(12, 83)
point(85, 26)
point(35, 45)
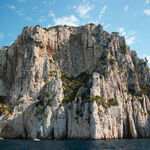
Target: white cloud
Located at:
point(131, 40)
point(126, 8)
point(131, 33)
point(83, 10)
point(11, 35)
point(42, 19)
point(1, 36)
point(51, 14)
point(102, 11)
point(70, 20)
point(122, 31)
point(12, 7)
point(147, 12)
point(107, 26)
point(29, 18)
point(147, 1)
point(21, 0)
point(130, 36)
point(20, 13)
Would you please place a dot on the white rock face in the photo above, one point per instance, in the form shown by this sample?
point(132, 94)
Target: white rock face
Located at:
point(75, 83)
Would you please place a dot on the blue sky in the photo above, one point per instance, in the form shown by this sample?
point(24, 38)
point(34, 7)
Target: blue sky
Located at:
point(129, 17)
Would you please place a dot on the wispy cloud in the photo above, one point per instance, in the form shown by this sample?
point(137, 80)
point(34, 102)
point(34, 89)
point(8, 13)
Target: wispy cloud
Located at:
point(126, 8)
point(11, 35)
point(147, 1)
point(83, 10)
point(1, 36)
point(42, 19)
point(70, 20)
point(51, 14)
point(20, 12)
point(28, 18)
point(12, 7)
point(107, 26)
point(147, 12)
point(131, 40)
point(130, 36)
point(122, 31)
point(102, 11)
point(131, 33)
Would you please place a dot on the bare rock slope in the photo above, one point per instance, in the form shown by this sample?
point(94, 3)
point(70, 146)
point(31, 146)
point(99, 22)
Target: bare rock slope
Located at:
point(75, 83)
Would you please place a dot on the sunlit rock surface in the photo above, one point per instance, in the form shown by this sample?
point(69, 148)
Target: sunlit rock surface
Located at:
point(75, 83)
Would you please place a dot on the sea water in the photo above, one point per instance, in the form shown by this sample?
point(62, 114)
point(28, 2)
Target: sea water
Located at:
point(121, 144)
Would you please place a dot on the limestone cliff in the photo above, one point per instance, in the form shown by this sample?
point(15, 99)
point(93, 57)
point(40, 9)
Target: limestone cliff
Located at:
point(75, 83)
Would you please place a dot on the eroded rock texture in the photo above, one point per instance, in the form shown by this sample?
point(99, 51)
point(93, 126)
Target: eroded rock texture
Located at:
point(75, 83)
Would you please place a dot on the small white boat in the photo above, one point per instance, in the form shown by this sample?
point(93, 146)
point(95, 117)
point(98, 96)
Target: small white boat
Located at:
point(36, 139)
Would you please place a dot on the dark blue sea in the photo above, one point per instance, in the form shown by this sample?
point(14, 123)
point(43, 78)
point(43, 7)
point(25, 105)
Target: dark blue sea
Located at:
point(131, 144)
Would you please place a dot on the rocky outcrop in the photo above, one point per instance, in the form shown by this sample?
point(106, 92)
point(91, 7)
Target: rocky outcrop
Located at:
point(75, 83)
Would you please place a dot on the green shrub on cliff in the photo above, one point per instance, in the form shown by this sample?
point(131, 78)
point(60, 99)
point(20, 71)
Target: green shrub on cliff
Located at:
point(124, 48)
point(106, 50)
point(72, 84)
point(4, 108)
point(111, 60)
point(52, 73)
point(112, 102)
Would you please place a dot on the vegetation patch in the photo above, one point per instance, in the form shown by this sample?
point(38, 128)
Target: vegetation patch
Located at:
point(121, 71)
point(100, 113)
point(112, 102)
point(137, 65)
point(142, 112)
point(19, 96)
point(49, 99)
point(111, 60)
point(45, 115)
point(71, 85)
point(4, 109)
point(97, 47)
point(124, 91)
point(145, 90)
point(116, 33)
point(47, 83)
point(52, 73)
point(124, 48)
point(46, 94)
point(141, 100)
point(102, 101)
point(106, 50)
point(106, 72)
point(127, 100)
point(93, 33)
